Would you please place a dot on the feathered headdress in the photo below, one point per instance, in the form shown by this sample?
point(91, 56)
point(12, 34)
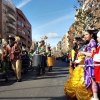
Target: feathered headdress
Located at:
point(17, 38)
point(4, 42)
point(23, 48)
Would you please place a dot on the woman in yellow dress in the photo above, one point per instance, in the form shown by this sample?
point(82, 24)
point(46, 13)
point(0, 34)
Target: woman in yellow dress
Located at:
point(74, 87)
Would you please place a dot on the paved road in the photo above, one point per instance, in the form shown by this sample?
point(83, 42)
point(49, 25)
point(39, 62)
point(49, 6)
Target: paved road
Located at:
point(45, 87)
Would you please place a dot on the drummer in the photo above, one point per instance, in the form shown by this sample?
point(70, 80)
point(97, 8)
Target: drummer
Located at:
point(30, 56)
point(42, 51)
point(49, 55)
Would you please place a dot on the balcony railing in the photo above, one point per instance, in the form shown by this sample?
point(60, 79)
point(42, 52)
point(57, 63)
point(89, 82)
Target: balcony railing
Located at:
point(11, 33)
point(11, 25)
point(11, 16)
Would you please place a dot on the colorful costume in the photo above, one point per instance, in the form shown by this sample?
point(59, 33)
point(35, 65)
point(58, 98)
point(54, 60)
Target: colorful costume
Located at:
point(89, 71)
point(5, 62)
point(13, 52)
point(97, 68)
point(73, 58)
point(74, 86)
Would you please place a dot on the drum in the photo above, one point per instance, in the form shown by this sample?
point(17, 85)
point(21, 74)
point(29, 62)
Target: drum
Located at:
point(50, 61)
point(37, 58)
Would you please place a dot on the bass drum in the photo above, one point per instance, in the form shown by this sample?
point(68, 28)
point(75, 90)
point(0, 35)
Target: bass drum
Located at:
point(50, 61)
point(37, 58)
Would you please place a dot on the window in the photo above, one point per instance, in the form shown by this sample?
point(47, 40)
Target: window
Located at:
point(4, 29)
point(4, 19)
point(28, 31)
point(19, 23)
point(29, 42)
point(28, 36)
point(23, 32)
point(4, 11)
point(22, 25)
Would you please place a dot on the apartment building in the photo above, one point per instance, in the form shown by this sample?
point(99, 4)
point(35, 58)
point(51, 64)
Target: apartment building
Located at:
point(64, 44)
point(59, 46)
point(67, 42)
point(24, 29)
point(7, 18)
point(53, 50)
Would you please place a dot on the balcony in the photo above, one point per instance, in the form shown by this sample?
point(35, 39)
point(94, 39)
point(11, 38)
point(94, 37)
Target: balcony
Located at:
point(11, 25)
point(21, 35)
point(9, 6)
point(11, 16)
point(11, 33)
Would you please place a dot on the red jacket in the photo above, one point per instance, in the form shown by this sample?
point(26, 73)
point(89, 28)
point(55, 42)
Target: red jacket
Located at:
point(13, 52)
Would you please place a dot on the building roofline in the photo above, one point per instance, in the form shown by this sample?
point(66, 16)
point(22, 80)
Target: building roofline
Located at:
point(23, 14)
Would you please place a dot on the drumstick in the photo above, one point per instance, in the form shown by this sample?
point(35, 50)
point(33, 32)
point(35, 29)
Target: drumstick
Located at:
point(12, 52)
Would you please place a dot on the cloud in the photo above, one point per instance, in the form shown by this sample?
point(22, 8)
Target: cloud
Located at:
point(23, 3)
point(53, 35)
point(63, 18)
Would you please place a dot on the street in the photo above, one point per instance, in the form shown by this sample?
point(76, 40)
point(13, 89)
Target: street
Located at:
point(45, 87)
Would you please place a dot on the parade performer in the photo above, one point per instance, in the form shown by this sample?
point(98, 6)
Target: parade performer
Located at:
point(74, 86)
point(96, 59)
point(42, 51)
point(74, 53)
point(31, 56)
point(13, 52)
point(89, 77)
point(50, 59)
point(3, 58)
point(39, 58)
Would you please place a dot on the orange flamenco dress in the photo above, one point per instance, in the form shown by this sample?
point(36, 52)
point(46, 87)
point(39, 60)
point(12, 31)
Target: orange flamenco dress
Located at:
point(74, 87)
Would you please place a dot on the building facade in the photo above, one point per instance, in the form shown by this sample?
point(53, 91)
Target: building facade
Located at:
point(13, 22)
point(64, 44)
point(7, 18)
point(24, 29)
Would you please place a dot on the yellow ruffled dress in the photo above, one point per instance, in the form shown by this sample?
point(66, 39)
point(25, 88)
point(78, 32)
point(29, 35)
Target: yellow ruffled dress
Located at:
point(74, 87)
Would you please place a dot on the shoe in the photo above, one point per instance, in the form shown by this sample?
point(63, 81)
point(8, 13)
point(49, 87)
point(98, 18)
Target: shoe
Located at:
point(49, 70)
point(19, 80)
point(43, 72)
point(94, 98)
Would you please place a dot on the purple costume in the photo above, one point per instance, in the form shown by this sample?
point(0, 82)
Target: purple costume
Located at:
point(89, 70)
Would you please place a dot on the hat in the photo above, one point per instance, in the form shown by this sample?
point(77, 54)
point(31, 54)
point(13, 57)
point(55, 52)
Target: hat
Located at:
point(98, 34)
point(42, 41)
point(11, 37)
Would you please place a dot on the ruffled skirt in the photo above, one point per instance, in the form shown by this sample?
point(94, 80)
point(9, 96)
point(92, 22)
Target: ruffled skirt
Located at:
point(74, 87)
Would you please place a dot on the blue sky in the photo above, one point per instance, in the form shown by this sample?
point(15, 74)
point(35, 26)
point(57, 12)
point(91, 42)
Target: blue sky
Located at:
point(48, 17)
